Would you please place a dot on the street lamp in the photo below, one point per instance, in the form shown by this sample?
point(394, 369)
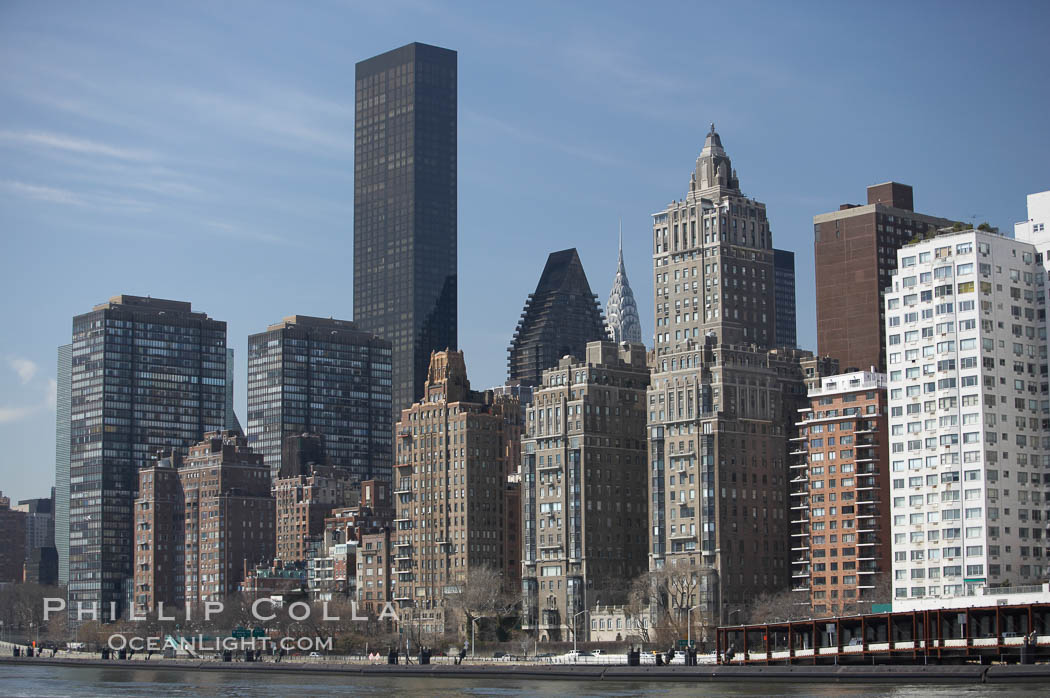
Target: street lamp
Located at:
point(689, 625)
point(730, 614)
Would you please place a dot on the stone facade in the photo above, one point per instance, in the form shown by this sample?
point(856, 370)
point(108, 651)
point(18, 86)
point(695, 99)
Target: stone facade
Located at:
point(455, 451)
point(584, 494)
point(200, 522)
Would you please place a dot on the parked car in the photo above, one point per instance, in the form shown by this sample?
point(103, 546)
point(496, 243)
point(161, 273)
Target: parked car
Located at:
point(598, 653)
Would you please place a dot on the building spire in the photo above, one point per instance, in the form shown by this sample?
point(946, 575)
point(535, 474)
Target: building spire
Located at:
point(621, 311)
point(619, 263)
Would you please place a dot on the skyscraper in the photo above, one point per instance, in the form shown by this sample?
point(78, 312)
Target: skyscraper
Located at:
point(969, 445)
point(584, 494)
point(405, 208)
point(840, 514)
point(148, 374)
point(560, 317)
point(232, 423)
point(621, 311)
point(721, 403)
point(784, 292)
point(321, 376)
point(854, 252)
point(713, 261)
point(62, 416)
point(455, 450)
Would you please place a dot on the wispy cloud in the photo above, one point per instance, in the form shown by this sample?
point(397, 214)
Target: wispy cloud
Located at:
point(16, 414)
point(76, 145)
point(240, 232)
point(25, 368)
point(55, 195)
point(526, 136)
point(41, 193)
point(27, 371)
point(296, 119)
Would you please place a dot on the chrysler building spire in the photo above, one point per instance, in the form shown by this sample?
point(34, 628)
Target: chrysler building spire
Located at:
point(621, 311)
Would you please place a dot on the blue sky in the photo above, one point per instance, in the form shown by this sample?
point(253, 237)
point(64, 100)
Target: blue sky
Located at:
point(204, 152)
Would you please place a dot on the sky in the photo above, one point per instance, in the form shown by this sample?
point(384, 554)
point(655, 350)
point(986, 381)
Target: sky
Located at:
point(204, 151)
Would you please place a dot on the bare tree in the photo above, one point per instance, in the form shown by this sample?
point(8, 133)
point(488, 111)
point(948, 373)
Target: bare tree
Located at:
point(675, 597)
point(639, 607)
point(480, 594)
point(775, 607)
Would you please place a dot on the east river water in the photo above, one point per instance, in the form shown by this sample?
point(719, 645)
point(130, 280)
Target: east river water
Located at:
point(45, 682)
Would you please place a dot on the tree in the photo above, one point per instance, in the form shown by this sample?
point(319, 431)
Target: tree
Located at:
point(639, 607)
point(677, 596)
point(478, 594)
point(779, 606)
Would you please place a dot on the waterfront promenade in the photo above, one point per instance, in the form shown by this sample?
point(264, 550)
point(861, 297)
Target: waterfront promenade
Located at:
point(498, 671)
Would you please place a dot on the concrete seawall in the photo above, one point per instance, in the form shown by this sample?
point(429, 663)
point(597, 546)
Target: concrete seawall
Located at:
point(899, 674)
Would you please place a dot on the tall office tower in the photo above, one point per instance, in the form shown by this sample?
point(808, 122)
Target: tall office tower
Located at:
point(560, 317)
point(721, 403)
point(12, 543)
point(967, 356)
point(148, 375)
point(584, 493)
point(854, 252)
point(232, 423)
point(784, 298)
point(62, 415)
point(455, 450)
point(840, 514)
point(201, 522)
point(621, 310)
point(405, 208)
point(322, 376)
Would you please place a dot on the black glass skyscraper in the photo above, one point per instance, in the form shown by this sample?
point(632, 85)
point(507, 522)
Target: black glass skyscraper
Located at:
point(147, 375)
point(784, 293)
point(405, 208)
point(322, 376)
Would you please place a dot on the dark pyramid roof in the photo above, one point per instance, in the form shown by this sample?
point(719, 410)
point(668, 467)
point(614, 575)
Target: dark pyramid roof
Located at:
point(559, 318)
point(563, 272)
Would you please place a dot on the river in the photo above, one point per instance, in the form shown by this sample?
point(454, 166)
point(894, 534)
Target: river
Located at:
point(47, 682)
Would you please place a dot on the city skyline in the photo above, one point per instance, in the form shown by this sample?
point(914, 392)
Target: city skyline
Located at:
point(91, 170)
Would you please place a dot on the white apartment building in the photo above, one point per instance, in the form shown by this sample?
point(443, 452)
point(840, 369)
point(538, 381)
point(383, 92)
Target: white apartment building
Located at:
point(1035, 229)
point(969, 438)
